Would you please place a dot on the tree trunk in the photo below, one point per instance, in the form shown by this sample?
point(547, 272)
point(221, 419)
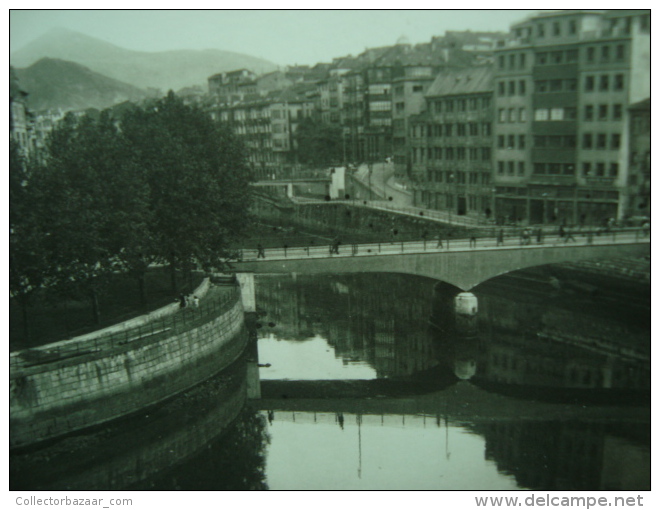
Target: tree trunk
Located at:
point(65, 316)
point(142, 290)
point(95, 306)
point(190, 276)
point(26, 324)
point(175, 288)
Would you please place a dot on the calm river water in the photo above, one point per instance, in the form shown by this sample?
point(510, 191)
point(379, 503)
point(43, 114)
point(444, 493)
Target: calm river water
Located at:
point(373, 381)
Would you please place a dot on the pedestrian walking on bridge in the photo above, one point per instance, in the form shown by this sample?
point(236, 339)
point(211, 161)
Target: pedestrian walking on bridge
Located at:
point(334, 248)
point(569, 236)
point(539, 235)
point(500, 237)
point(261, 254)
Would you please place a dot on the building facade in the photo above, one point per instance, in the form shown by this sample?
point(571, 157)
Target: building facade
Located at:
point(451, 144)
point(563, 84)
point(639, 172)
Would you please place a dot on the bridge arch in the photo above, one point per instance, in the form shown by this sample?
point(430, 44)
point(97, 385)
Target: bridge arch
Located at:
point(464, 269)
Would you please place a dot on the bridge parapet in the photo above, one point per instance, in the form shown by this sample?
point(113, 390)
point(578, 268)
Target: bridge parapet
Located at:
point(461, 262)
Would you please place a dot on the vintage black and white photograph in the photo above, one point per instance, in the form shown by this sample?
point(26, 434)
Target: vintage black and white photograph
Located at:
point(330, 249)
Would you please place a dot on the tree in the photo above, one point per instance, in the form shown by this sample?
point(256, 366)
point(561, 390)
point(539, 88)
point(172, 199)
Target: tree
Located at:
point(27, 258)
point(319, 143)
point(198, 180)
point(93, 205)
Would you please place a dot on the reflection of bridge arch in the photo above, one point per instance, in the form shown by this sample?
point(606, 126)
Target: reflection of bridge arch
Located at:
point(459, 264)
point(460, 401)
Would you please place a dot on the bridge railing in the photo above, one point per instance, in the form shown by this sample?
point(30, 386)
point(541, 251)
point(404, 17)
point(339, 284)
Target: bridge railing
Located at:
point(185, 319)
point(525, 240)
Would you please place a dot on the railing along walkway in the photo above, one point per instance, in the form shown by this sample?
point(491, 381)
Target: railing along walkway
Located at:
point(495, 242)
point(185, 319)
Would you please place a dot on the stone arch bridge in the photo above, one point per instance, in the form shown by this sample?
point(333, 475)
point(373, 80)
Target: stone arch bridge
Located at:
point(464, 263)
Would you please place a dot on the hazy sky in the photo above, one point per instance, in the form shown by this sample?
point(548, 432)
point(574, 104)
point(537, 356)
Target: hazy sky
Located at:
point(283, 37)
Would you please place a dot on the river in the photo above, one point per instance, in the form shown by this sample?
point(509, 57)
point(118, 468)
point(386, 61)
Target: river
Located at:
point(374, 381)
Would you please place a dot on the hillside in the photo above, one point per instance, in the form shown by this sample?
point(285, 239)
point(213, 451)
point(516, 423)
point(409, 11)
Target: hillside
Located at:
point(161, 70)
point(54, 83)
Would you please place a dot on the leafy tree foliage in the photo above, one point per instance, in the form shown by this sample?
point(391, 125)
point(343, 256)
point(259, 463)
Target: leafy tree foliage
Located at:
point(27, 260)
point(198, 180)
point(94, 204)
point(319, 143)
point(163, 183)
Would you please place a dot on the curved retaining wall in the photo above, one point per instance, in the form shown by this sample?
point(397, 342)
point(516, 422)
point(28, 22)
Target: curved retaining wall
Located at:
point(56, 398)
point(129, 453)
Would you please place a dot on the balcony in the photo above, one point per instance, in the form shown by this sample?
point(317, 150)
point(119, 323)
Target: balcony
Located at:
point(553, 180)
point(553, 155)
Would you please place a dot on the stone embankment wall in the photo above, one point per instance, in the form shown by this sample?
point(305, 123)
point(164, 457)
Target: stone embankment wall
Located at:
point(60, 396)
point(336, 218)
point(127, 455)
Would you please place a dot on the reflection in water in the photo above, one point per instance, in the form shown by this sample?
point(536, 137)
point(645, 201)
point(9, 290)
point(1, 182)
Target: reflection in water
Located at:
point(317, 451)
point(490, 401)
point(379, 320)
point(396, 452)
point(311, 358)
point(129, 453)
point(527, 351)
point(570, 456)
point(402, 325)
point(236, 461)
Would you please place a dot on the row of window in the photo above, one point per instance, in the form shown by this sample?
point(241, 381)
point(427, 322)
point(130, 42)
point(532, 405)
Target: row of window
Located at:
point(557, 28)
point(421, 154)
point(554, 169)
point(512, 61)
point(461, 105)
point(589, 194)
point(512, 88)
point(591, 54)
point(511, 168)
point(589, 169)
point(599, 141)
point(458, 177)
point(512, 115)
point(551, 86)
point(456, 129)
point(509, 141)
point(605, 82)
point(603, 112)
point(552, 114)
point(589, 141)
point(598, 169)
point(555, 141)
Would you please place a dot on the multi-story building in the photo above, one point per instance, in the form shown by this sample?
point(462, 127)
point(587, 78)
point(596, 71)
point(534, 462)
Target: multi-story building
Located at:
point(352, 116)
point(232, 85)
point(451, 144)
point(19, 118)
point(639, 170)
point(563, 84)
point(409, 86)
point(43, 125)
point(250, 121)
point(286, 112)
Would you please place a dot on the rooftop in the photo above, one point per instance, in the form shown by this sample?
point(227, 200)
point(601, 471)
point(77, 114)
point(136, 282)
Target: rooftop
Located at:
point(462, 81)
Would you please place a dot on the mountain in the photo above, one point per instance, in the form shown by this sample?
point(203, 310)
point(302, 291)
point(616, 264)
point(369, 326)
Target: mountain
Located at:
point(161, 70)
point(53, 83)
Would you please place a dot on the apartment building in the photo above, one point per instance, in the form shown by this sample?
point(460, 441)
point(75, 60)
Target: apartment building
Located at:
point(409, 86)
point(639, 171)
point(563, 84)
point(19, 117)
point(251, 122)
point(451, 144)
